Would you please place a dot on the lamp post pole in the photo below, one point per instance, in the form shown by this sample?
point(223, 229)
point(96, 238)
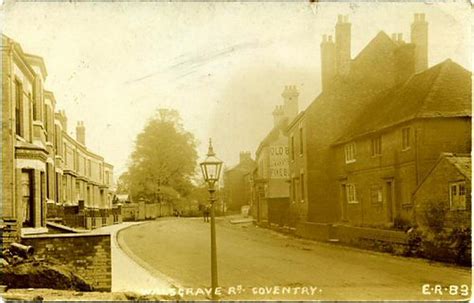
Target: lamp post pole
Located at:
point(213, 244)
point(211, 170)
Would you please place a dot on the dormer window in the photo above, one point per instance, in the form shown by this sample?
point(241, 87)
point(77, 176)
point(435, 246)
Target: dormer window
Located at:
point(350, 152)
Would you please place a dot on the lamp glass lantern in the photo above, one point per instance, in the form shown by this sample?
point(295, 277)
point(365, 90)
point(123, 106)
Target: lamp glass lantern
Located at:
point(211, 166)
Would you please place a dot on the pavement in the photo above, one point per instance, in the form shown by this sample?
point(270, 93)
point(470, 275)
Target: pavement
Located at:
point(129, 275)
point(261, 264)
point(130, 280)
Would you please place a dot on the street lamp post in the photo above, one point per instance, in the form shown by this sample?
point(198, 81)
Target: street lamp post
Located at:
point(211, 170)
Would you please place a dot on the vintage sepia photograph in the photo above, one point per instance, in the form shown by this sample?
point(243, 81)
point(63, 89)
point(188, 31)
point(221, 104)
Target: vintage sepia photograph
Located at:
point(236, 151)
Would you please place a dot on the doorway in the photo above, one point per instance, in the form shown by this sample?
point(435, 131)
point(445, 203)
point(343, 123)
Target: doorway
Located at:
point(27, 198)
point(343, 198)
point(389, 199)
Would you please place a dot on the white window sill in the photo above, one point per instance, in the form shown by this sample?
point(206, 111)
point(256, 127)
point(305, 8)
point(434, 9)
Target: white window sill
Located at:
point(350, 161)
point(352, 202)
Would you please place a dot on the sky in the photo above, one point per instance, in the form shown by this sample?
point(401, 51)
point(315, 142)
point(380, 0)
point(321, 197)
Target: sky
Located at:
point(223, 66)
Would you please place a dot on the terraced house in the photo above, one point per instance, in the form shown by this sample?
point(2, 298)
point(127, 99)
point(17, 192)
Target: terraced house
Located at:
point(377, 129)
point(46, 174)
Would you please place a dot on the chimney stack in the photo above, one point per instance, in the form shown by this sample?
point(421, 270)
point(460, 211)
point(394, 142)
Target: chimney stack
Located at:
point(290, 101)
point(419, 37)
point(81, 133)
point(277, 115)
point(245, 156)
point(343, 45)
point(328, 61)
point(404, 61)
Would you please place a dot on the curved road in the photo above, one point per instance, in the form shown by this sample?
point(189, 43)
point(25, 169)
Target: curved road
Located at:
point(263, 261)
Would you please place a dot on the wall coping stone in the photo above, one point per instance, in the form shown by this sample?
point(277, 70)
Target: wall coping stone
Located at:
point(67, 235)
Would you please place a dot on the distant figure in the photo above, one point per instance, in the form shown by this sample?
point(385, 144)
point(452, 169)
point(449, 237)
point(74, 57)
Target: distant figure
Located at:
point(205, 213)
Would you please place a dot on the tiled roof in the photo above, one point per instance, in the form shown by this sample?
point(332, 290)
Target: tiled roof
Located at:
point(462, 163)
point(273, 135)
point(444, 90)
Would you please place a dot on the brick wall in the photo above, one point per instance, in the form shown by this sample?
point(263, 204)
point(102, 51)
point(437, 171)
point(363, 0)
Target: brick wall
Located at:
point(87, 255)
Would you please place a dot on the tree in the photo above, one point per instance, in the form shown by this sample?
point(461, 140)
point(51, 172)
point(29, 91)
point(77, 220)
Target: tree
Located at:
point(123, 183)
point(164, 156)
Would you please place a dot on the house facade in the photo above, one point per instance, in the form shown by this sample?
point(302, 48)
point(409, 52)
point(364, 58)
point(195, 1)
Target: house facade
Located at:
point(381, 162)
point(237, 183)
point(297, 162)
point(271, 189)
point(37, 153)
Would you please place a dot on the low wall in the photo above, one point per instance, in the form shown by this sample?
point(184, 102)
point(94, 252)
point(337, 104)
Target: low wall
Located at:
point(88, 255)
point(358, 236)
point(313, 231)
point(145, 211)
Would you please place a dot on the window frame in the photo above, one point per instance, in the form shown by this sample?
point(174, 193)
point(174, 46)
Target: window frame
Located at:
point(376, 144)
point(456, 194)
point(19, 108)
point(350, 150)
point(406, 138)
point(351, 193)
point(301, 140)
point(292, 142)
point(302, 187)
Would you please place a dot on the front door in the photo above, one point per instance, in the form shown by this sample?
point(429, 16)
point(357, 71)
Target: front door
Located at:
point(343, 203)
point(389, 199)
point(27, 198)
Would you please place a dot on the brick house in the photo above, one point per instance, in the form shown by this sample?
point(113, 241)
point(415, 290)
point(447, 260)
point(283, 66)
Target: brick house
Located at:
point(447, 185)
point(236, 182)
point(392, 146)
point(348, 86)
point(34, 143)
point(271, 190)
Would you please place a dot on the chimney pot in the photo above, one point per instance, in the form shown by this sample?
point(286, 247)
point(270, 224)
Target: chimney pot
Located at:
point(394, 37)
point(339, 18)
point(400, 37)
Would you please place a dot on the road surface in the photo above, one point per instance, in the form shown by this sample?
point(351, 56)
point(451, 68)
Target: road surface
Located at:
point(256, 263)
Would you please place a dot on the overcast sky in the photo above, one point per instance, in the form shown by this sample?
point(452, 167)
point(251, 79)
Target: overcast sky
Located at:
point(222, 65)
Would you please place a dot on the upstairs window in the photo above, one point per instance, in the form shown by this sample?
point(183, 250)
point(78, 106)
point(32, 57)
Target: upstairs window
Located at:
point(302, 187)
point(457, 195)
point(292, 147)
point(377, 146)
point(301, 141)
point(406, 138)
point(350, 152)
point(351, 194)
point(18, 108)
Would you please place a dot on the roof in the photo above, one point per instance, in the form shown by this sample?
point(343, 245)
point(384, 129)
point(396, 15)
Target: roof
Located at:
point(293, 122)
point(461, 162)
point(38, 61)
point(443, 90)
point(273, 135)
point(244, 166)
